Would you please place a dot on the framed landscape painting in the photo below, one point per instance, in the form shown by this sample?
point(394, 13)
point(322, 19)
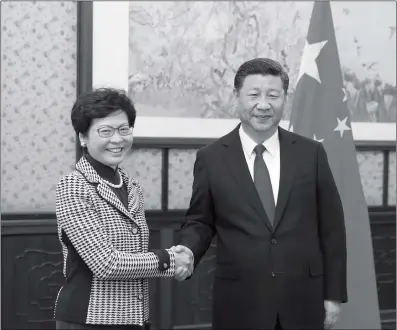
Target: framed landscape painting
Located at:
point(177, 60)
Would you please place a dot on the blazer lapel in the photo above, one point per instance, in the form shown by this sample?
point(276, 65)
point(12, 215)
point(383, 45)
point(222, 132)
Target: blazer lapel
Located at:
point(85, 168)
point(287, 172)
point(237, 165)
point(107, 194)
point(135, 198)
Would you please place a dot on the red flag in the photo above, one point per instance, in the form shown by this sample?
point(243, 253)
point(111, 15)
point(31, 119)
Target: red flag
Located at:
point(320, 112)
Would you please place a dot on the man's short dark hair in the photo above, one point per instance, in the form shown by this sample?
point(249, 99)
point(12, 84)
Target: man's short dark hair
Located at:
point(100, 103)
point(263, 66)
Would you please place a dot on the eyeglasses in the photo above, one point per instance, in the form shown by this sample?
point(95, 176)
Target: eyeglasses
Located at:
point(108, 131)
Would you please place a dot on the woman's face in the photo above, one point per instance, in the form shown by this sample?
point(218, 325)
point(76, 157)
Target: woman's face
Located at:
point(109, 139)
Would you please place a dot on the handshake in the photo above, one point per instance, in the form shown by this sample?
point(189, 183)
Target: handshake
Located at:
point(184, 262)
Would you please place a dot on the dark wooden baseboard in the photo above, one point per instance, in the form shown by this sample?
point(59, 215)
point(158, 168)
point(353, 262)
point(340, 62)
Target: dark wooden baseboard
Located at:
point(32, 273)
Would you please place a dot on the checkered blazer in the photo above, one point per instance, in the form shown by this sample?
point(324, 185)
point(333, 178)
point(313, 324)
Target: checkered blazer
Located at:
point(112, 242)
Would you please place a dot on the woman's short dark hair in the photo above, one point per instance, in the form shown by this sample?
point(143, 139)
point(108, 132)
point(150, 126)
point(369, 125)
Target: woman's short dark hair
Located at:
point(100, 103)
point(263, 66)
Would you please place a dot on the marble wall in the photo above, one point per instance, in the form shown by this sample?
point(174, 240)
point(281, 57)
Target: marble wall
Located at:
point(145, 165)
point(38, 73)
point(180, 177)
point(371, 170)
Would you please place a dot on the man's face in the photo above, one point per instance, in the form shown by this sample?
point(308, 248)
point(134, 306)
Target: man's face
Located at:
point(260, 102)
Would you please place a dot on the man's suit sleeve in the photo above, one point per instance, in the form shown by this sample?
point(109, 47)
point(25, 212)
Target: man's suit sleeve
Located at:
point(198, 227)
point(332, 231)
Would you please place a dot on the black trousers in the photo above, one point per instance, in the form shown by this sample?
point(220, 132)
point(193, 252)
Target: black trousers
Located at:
point(61, 325)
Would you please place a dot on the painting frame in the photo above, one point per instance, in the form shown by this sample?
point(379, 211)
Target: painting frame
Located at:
point(110, 68)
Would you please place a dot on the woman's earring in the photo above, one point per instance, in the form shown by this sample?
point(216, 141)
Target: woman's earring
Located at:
point(83, 144)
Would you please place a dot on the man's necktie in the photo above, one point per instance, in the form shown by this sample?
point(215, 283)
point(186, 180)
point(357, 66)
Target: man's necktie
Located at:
point(262, 182)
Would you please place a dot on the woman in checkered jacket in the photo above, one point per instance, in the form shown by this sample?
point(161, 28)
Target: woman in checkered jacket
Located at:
point(102, 227)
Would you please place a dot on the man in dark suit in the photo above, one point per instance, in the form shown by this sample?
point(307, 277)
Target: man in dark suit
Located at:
point(270, 198)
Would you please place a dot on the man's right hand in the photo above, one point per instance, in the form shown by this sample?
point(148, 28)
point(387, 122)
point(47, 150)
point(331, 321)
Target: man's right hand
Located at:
point(184, 262)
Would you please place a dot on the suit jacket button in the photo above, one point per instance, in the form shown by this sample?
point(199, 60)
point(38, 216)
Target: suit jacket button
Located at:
point(134, 230)
point(273, 274)
point(273, 241)
point(165, 265)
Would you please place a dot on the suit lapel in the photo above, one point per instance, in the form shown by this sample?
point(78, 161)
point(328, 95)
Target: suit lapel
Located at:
point(237, 165)
point(85, 168)
point(107, 194)
point(287, 172)
point(135, 198)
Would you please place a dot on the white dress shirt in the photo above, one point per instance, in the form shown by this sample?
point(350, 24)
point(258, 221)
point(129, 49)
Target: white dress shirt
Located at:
point(271, 156)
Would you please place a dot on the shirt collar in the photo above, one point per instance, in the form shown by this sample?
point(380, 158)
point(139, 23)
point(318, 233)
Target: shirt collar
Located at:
point(272, 144)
